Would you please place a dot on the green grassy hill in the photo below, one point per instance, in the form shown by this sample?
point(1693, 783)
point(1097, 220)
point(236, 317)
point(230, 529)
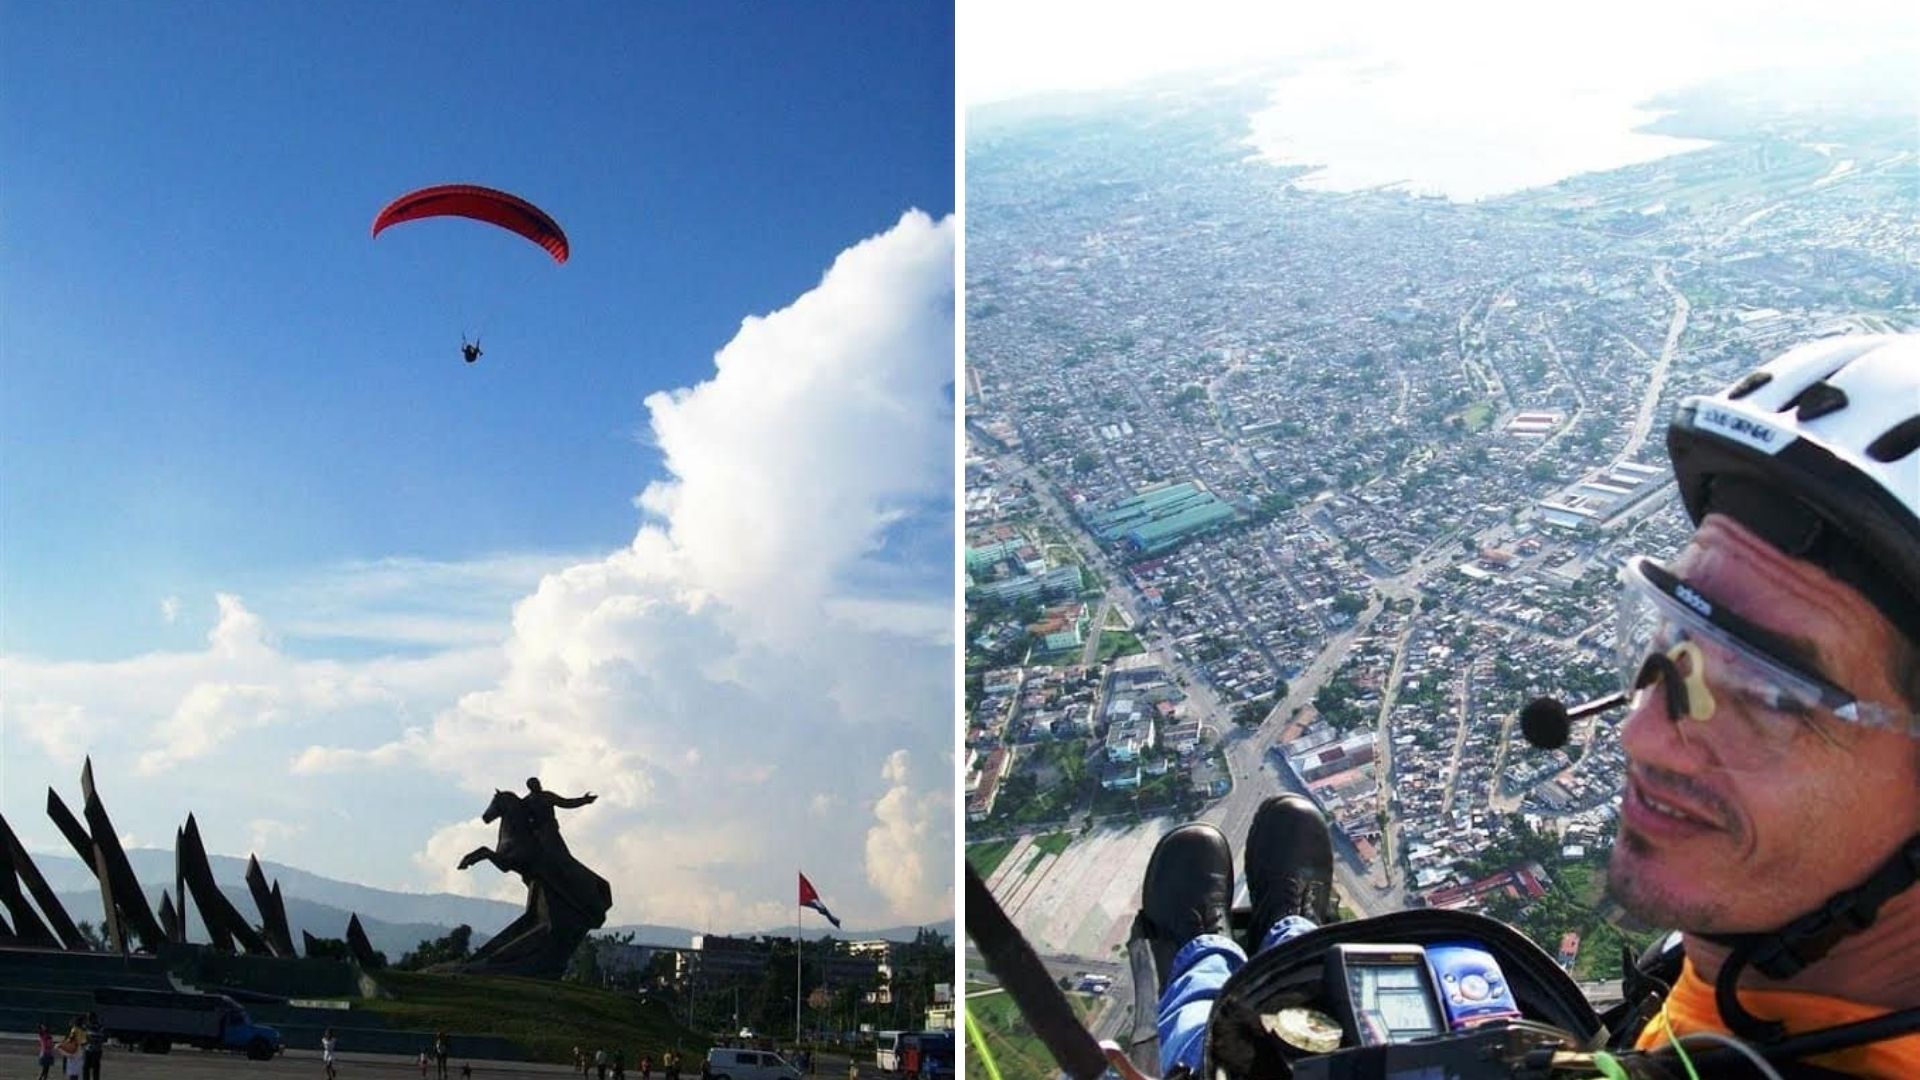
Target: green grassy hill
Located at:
point(547, 1018)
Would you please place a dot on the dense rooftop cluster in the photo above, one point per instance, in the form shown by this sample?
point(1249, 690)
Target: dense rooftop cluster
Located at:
point(1392, 394)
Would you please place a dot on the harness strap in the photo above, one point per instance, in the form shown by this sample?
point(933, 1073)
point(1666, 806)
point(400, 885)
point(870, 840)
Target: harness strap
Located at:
point(1143, 1046)
point(1788, 951)
point(1025, 979)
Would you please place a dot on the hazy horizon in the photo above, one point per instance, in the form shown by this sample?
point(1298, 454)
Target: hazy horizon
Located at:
point(1465, 104)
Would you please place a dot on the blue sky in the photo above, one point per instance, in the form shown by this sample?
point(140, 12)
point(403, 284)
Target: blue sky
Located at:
point(251, 496)
point(209, 366)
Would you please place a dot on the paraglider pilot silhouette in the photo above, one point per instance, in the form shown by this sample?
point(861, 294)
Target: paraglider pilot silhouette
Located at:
point(485, 205)
point(564, 898)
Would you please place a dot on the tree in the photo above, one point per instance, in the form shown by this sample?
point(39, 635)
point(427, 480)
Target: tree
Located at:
point(663, 969)
point(336, 949)
point(584, 965)
point(92, 936)
point(328, 949)
point(456, 946)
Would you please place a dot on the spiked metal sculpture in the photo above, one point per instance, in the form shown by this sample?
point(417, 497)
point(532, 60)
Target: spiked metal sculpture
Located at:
point(52, 917)
point(225, 925)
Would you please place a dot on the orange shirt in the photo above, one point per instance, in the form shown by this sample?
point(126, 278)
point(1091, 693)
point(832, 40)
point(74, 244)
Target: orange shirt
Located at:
point(1691, 1009)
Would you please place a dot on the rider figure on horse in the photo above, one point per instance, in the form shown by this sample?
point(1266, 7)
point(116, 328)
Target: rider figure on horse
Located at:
point(540, 804)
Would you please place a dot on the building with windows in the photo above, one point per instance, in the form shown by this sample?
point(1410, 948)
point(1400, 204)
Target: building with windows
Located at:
point(1059, 581)
point(1128, 739)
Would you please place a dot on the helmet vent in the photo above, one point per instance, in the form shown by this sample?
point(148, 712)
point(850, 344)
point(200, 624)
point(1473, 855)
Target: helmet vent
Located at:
point(1899, 441)
point(1818, 400)
point(1748, 385)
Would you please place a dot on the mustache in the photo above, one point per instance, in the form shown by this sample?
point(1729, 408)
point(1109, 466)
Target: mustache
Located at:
point(1686, 788)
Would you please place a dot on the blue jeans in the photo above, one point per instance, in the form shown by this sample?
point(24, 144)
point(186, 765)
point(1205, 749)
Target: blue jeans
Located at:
point(1200, 969)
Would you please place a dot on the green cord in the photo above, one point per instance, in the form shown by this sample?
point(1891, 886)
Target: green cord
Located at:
point(1673, 1040)
point(1610, 1066)
point(979, 1043)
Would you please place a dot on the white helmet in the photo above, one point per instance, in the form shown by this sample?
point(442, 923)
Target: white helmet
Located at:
point(1818, 451)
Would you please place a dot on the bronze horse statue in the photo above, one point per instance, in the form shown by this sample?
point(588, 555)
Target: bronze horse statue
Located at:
point(564, 898)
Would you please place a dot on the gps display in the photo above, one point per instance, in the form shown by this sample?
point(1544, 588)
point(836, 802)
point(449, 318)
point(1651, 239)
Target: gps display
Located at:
point(1384, 993)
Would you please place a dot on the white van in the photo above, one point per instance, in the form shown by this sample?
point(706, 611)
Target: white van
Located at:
point(729, 1064)
point(886, 1050)
point(889, 1052)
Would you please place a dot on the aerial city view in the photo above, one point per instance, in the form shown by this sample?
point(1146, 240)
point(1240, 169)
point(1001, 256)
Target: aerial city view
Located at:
point(1294, 469)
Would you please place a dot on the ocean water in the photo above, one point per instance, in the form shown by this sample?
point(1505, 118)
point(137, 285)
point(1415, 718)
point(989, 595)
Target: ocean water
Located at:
point(1462, 133)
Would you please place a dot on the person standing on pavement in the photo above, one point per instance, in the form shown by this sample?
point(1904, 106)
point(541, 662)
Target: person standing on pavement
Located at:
point(74, 1048)
point(327, 1044)
point(95, 1049)
point(46, 1051)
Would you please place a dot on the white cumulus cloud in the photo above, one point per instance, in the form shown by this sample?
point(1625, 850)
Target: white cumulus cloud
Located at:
point(896, 843)
point(704, 679)
point(267, 836)
point(759, 665)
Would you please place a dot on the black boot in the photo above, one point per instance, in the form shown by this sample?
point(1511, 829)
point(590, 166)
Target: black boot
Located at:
point(1187, 891)
point(1289, 865)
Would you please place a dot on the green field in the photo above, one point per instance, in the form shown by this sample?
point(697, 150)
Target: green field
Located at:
point(1016, 1051)
point(1050, 844)
point(1058, 658)
point(986, 857)
point(1054, 843)
point(1116, 643)
point(546, 1018)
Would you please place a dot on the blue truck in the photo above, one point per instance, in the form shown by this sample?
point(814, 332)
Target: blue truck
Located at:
point(155, 1020)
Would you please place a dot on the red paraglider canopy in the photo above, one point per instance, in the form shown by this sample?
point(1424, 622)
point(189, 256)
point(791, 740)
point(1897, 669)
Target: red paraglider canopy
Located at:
point(510, 212)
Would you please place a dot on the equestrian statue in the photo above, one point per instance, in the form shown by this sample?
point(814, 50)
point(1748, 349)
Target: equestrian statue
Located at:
point(564, 898)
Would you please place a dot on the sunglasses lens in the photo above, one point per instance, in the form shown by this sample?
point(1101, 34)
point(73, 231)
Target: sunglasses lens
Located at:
point(1746, 711)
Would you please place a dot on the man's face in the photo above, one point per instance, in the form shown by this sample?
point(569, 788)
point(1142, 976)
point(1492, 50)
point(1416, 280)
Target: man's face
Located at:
point(1750, 851)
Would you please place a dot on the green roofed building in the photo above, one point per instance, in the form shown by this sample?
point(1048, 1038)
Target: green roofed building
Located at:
point(981, 558)
point(1163, 533)
point(1160, 518)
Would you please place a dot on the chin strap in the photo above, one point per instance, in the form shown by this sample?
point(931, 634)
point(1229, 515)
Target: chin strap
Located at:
point(1787, 951)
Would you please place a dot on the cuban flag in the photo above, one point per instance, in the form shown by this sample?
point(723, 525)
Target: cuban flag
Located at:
point(810, 898)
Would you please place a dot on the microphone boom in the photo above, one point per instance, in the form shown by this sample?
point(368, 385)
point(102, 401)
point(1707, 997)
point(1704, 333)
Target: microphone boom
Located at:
point(1546, 722)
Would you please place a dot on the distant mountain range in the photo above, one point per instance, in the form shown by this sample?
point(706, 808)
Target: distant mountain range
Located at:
point(395, 921)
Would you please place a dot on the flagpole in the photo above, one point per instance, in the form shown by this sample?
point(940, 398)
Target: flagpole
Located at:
point(796, 970)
